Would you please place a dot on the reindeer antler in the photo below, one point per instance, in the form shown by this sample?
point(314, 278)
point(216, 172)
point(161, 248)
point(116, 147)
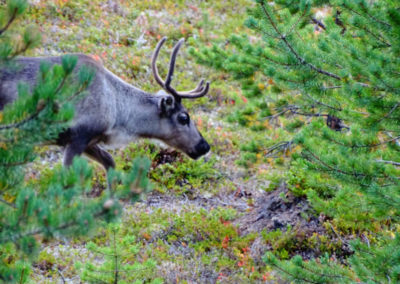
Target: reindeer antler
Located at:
point(201, 89)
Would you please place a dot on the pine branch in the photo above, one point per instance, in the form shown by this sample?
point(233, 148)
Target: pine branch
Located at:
point(280, 147)
point(10, 21)
point(390, 112)
point(21, 279)
point(265, 33)
point(302, 82)
point(38, 111)
point(275, 115)
point(22, 122)
point(376, 20)
point(15, 164)
point(8, 203)
point(388, 162)
point(318, 23)
point(309, 114)
point(20, 51)
point(119, 270)
point(294, 276)
point(64, 226)
point(295, 24)
point(333, 168)
point(61, 275)
point(277, 62)
point(377, 37)
point(326, 276)
point(321, 103)
point(366, 146)
point(354, 174)
point(115, 260)
point(331, 87)
point(299, 58)
point(97, 279)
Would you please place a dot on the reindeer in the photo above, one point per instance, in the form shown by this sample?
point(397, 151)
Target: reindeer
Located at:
point(114, 112)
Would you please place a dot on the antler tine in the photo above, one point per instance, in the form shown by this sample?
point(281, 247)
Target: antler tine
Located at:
point(198, 88)
point(197, 92)
point(194, 95)
point(171, 69)
point(154, 62)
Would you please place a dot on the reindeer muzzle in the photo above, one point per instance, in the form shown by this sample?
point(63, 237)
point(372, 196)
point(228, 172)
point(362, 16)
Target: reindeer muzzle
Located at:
point(201, 149)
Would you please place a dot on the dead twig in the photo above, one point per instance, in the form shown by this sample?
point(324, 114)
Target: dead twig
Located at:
point(283, 146)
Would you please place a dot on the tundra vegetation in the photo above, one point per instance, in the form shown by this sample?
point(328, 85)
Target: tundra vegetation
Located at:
point(302, 117)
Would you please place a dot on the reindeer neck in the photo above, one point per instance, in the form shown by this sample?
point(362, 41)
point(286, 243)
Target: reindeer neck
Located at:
point(137, 110)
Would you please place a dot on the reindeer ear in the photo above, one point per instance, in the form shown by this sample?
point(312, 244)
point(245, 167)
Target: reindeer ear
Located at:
point(166, 105)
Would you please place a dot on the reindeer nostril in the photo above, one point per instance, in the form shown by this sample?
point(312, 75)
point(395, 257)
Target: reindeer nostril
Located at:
point(202, 147)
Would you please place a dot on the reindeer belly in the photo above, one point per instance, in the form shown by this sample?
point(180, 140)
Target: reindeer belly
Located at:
point(116, 138)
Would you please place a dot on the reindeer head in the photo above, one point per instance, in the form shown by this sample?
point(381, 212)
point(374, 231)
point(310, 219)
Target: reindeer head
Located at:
point(177, 129)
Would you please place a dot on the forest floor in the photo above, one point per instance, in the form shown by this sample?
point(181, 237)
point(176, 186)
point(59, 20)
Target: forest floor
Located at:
point(205, 221)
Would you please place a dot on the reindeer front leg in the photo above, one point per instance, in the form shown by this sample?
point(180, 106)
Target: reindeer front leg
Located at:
point(72, 150)
point(104, 158)
point(78, 141)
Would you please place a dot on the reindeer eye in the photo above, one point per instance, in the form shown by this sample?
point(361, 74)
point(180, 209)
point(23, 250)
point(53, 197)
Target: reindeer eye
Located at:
point(183, 118)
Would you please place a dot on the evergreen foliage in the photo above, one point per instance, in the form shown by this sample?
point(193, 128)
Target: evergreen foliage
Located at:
point(121, 263)
point(335, 66)
point(58, 203)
